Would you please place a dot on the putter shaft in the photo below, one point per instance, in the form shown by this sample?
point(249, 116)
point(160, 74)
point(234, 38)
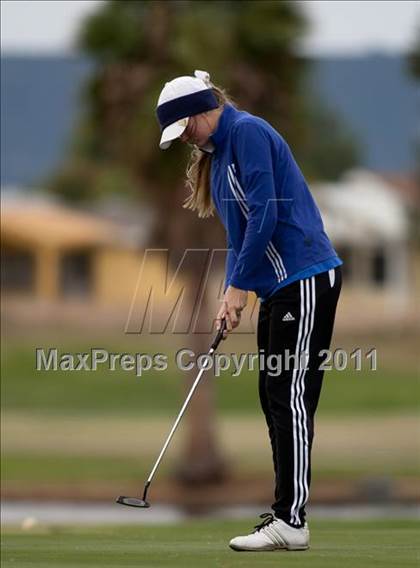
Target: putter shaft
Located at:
point(135, 502)
point(177, 421)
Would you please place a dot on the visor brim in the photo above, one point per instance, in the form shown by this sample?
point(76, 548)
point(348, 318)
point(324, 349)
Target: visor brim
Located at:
point(172, 132)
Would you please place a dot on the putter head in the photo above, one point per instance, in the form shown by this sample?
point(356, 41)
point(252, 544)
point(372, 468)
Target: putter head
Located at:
point(133, 502)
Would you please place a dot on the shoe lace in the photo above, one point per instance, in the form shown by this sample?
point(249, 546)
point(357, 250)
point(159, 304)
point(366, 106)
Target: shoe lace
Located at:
point(268, 518)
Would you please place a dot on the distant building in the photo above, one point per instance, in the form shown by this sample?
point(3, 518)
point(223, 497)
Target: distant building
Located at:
point(60, 256)
point(367, 218)
point(53, 253)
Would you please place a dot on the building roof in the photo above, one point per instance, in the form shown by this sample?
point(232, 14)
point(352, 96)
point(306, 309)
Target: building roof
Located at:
point(362, 208)
point(44, 223)
point(408, 186)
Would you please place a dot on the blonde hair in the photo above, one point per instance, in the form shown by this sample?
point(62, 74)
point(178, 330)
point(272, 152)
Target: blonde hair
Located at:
point(198, 171)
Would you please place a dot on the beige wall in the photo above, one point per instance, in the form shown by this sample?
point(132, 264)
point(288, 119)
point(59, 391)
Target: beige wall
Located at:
point(116, 274)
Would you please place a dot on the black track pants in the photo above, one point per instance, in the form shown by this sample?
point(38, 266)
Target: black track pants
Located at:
point(296, 323)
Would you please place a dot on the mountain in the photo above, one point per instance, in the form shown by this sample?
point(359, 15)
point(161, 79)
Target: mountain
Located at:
point(378, 100)
point(41, 100)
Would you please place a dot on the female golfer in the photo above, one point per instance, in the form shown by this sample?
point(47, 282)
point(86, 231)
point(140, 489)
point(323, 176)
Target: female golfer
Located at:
point(242, 167)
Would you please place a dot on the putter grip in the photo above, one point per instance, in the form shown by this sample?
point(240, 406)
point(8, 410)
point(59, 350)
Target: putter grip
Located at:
point(219, 335)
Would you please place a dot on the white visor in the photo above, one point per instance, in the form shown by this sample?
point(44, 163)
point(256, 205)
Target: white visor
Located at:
point(171, 132)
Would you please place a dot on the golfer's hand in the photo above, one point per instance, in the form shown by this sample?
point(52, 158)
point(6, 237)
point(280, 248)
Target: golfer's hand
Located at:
point(233, 303)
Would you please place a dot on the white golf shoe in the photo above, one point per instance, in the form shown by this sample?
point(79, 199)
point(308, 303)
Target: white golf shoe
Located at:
point(272, 534)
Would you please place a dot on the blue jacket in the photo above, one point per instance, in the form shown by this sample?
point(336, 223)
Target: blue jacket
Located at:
point(275, 233)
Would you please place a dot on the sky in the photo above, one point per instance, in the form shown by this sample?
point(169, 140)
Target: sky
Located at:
point(337, 27)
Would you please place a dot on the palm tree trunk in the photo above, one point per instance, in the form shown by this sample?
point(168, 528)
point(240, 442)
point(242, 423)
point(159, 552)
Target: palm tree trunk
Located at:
point(202, 459)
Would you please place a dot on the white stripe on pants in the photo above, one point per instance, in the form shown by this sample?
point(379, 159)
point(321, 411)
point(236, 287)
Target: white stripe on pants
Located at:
point(300, 431)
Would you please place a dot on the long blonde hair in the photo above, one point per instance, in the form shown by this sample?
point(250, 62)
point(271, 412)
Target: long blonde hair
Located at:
point(198, 171)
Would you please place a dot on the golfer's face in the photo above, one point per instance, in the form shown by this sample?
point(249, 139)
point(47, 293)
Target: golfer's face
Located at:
point(197, 131)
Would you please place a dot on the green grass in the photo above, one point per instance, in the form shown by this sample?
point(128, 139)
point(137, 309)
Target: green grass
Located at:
point(85, 471)
point(110, 397)
point(78, 452)
point(202, 543)
point(122, 393)
point(75, 469)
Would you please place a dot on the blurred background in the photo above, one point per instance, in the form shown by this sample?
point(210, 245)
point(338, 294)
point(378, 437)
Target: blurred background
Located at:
point(85, 191)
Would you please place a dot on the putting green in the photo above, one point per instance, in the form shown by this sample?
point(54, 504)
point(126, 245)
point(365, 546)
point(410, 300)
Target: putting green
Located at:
point(204, 544)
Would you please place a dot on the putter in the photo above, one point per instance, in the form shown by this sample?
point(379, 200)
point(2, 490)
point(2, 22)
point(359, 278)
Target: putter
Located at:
point(142, 503)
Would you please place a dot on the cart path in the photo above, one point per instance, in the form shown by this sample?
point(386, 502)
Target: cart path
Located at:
point(64, 513)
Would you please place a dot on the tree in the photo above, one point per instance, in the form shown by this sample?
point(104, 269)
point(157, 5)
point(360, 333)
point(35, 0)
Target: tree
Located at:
point(413, 61)
point(327, 148)
point(413, 58)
